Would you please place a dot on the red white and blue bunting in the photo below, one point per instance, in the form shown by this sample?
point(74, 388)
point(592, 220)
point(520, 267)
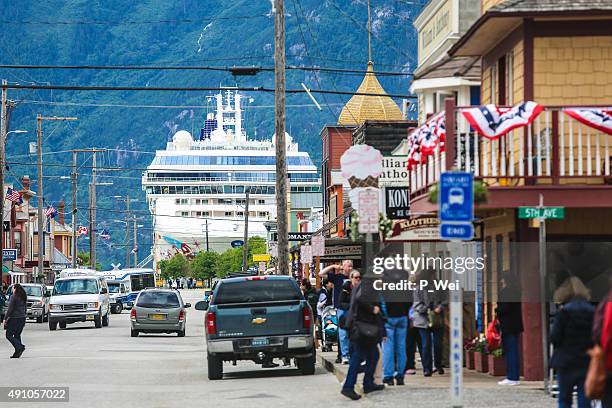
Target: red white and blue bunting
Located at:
point(493, 122)
point(424, 140)
point(597, 118)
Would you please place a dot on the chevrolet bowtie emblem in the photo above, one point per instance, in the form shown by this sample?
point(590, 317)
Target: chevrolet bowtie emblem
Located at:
point(259, 320)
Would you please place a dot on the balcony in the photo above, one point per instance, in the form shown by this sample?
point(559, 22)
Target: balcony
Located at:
point(553, 156)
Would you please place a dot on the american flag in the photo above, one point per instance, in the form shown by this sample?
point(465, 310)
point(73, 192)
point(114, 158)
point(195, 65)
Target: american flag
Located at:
point(14, 196)
point(50, 211)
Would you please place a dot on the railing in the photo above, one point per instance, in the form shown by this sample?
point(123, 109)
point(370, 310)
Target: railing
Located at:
point(554, 150)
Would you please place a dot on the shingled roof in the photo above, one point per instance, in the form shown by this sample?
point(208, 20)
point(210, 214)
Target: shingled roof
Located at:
point(465, 67)
point(538, 6)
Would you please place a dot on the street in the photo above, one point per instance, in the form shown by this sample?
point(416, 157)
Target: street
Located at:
point(106, 367)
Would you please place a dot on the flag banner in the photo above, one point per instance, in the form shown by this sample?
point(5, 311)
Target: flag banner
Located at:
point(83, 230)
point(14, 196)
point(105, 234)
point(424, 140)
point(597, 118)
point(493, 122)
point(135, 249)
point(50, 212)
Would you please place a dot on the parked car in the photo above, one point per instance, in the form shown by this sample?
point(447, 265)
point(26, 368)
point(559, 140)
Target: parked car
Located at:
point(38, 301)
point(79, 295)
point(159, 311)
point(258, 318)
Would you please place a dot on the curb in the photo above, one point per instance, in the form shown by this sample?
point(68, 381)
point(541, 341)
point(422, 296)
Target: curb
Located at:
point(331, 367)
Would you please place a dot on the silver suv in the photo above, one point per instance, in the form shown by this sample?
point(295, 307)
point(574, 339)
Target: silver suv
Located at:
point(38, 301)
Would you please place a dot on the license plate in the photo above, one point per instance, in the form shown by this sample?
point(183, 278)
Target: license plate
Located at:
point(260, 342)
point(157, 316)
point(89, 317)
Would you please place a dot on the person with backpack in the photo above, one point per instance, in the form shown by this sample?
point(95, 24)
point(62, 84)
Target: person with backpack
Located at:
point(509, 314)
point(571, 337)
point(15, 319)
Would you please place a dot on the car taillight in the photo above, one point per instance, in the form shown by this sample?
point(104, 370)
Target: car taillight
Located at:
point(250, 278)
point(181, 315)
point(306, 318)
point(211, 323)
point(133, 314)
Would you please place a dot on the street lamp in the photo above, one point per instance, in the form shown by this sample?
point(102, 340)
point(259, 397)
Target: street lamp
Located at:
point(16, 131)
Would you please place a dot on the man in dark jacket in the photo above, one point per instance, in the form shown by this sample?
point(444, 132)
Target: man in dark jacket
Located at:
point(509, 313)
point(571, 336)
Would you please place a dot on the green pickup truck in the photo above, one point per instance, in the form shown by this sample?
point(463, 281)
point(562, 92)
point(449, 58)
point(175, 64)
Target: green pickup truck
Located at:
point(258, 318)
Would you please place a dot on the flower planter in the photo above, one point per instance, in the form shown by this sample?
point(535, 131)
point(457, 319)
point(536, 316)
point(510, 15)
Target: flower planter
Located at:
point(481, 362)
point(497, 365)
point(469, 360)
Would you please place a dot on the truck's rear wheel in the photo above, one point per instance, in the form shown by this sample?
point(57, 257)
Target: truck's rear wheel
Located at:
point(117, 308)
point(215, 367)
point(307, 364)
point(134, 333)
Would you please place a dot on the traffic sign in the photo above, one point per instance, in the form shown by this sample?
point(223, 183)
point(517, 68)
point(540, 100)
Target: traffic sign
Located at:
point(368, 211)
point(237, 243)
point(9, 254)
point(557, 213)
point(456, 197)
point(261, 257)
point(461, 231)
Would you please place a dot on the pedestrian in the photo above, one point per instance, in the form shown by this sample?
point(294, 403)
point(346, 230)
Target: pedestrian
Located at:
point(3, 301)
point(394, 348)
point(413, 342)
point(312, 297)
point(365, 325)
point(337, 274)
point(571, 336)
point(509, 314)
point(15, 319)
point(423, 308)
point(602, 338)
point(325, 299)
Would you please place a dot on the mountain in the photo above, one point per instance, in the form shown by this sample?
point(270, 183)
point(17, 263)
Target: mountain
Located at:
point(324, 33)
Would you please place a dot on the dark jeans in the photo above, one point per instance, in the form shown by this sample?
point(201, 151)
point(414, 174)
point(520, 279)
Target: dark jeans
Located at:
point(568, 379)
point(513, 364)
point(437, 335)
point(14, 327)
point(359, 354)
point(431, 349)
point(413, 341)
point(425, 350)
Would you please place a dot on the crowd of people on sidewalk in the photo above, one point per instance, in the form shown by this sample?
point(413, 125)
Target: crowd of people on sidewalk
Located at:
point(379, 335)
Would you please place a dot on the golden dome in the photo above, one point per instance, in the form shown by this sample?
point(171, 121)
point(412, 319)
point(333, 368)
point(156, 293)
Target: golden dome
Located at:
point(361, 108)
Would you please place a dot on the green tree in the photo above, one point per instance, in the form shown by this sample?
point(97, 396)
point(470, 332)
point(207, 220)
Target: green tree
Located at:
point(175, 267)
point(229, 261)
point(204, 265)
point(257, 245)
point(83, 259)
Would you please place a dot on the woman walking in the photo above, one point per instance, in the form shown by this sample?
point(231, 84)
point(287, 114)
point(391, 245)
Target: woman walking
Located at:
point(15, 319)
point(571, 337)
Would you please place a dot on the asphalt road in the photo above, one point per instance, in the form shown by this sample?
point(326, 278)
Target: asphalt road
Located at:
point(106, 368)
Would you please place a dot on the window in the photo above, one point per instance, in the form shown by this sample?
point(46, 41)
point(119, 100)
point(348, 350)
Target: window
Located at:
point(17, 239)
point(240, 214)
point(262, 214)
point(257, 291)
point(158, 299)
point(184, 213)
point(261, 201)
point(205, 213)
point(142, 281)
point(181, 201)
point(229, 214)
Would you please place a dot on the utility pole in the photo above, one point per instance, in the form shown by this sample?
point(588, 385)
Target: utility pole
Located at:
point(92, 213)
point(41, 221)
point(73, 177)
point(3, 126)
point(245, 247)
point(207, 247)
point(279, 125)
point(135, 245)
point(127, 232)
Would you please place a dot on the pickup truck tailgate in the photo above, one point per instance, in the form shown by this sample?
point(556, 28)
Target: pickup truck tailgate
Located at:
point(259, 320)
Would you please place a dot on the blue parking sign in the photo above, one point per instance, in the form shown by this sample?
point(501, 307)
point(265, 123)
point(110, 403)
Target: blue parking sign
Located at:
point(456, 197)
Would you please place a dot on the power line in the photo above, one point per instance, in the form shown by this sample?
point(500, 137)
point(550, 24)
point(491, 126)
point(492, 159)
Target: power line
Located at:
point(198, 89)
point(232, 69)
point(132, 22)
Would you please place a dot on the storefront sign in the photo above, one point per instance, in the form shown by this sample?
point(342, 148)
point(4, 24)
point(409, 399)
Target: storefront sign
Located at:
point(261, 257)
point(299, 236)
point(416, 229)
point(436, 30)
point(395, 171)
point(397, 202)
point(368, 211)
point(342, 250)
point(9, 254)
point(306, 254)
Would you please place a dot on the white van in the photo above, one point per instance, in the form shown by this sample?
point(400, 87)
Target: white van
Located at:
point(79, 295)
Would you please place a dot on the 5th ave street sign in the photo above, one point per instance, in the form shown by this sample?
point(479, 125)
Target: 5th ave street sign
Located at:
point(542, 212)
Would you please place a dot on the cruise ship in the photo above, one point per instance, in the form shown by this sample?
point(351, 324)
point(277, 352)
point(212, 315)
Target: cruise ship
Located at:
point(196, 188)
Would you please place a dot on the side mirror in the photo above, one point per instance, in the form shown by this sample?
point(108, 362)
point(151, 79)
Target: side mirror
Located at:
point(187, 305)
point(201, 305)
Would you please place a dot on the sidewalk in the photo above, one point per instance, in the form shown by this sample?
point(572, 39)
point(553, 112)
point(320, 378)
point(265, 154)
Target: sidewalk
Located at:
point(480, 390)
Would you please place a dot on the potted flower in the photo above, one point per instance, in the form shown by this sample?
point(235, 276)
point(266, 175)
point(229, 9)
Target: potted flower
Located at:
point(480, 354)
point(468, 348)
point(497, 362)
point(481, 193)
